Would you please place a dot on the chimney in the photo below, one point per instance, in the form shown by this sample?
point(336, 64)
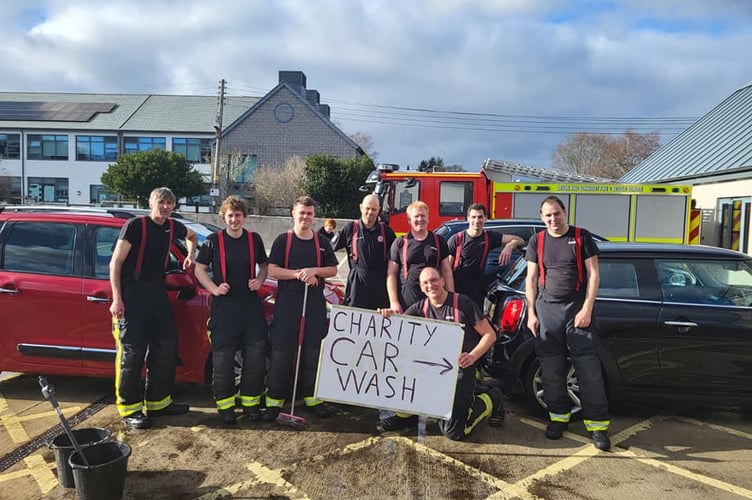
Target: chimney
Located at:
point(313, 97)
point(324, 110)
point(296, 80)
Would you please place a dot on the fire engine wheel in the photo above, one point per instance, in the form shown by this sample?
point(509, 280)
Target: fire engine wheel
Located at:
point(533, 383)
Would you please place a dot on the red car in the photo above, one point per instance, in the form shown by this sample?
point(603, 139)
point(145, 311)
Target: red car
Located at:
point(55, 295)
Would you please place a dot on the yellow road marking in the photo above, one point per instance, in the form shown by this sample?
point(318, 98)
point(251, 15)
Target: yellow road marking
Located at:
point(17, 432)
point(505, 489)
point(40, 471)
point(715, 483)
point(263, 475)
point(728, 430)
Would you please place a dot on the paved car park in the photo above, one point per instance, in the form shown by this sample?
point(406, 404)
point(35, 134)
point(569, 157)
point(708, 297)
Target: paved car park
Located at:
point(657, 453)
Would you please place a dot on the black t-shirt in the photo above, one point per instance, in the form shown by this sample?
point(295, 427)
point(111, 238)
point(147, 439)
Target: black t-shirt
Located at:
point(237, 260)
point(155, 251)
point(560, 262)
point(373, 246)
point(472, 252)
point(302, 255)
point(420, 254)
point(469, 315)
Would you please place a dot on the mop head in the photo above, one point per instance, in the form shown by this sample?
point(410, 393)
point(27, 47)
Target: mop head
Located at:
point(291, 420)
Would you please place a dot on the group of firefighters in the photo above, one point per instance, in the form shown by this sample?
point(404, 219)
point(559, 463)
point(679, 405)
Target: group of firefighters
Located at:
point(418, 274)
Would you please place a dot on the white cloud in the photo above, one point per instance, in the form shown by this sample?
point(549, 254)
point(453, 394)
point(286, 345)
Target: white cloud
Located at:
point(521, 57)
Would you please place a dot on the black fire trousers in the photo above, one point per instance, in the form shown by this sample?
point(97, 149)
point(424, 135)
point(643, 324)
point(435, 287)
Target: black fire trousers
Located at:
point(146, 333)
point(237, 324)
point(558, 339)
point(468, 409)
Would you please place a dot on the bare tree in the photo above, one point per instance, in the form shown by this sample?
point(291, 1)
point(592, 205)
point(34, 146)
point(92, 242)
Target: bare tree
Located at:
point(277, 186)
point(365, 141)
point(602, 155)
point(235, 175)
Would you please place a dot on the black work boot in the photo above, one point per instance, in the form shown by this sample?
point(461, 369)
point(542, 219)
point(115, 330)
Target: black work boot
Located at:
point(601, 440)
point(137, 421)
point(497, 410)
point(555, 430)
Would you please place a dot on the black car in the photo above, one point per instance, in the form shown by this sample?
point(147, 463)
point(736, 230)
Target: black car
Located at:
point(672, 321)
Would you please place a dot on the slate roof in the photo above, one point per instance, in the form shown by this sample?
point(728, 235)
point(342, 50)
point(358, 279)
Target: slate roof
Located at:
point(718, 146)
point(134, 112)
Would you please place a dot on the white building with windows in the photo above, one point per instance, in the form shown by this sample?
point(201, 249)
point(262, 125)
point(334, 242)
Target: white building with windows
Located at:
point(54, 147)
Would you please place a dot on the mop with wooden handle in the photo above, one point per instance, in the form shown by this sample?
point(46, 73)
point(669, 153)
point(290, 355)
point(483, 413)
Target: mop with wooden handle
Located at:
point(290, 419)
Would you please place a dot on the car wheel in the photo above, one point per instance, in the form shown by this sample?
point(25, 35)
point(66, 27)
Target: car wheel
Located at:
point(533, 384)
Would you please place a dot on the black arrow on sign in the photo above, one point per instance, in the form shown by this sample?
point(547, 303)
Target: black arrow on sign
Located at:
point(446, 364)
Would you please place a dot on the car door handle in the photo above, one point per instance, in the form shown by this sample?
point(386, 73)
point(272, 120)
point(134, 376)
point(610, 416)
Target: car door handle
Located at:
point(91, 298)
point(9, 290)
point(682, 324)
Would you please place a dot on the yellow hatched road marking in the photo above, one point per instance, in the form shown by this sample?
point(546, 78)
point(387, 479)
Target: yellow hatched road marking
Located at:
point(17, 432)
point(716, 483)
point(38, 469)
point(263, 475)
point(722, 428)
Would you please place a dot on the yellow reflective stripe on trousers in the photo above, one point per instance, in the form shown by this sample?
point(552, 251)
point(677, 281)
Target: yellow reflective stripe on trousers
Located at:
point(311, 401)
point(274, 403)
point(559, 417)
point(596, 425)
point(126, 410)
point(485, 413)
point(123, 409)
point(403, 415)
point(250, 400)
point(159, 405)
point(226, 403)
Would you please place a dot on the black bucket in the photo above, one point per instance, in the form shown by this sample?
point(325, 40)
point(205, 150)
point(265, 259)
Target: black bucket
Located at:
point(63, 449)
point(104, 478)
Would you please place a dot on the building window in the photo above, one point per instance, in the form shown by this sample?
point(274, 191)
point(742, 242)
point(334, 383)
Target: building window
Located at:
point(195, 150)
point(96, 148)
point(47, 147)
point(135, 144)
point(48, 189)
point(10, 189)
point(10, 146)
point(99, 195)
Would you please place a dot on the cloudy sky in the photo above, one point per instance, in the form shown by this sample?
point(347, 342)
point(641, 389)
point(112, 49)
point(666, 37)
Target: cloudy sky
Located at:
point(459, 79)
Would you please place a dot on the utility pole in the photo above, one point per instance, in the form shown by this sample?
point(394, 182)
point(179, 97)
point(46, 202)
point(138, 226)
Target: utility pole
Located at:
point(218, 136)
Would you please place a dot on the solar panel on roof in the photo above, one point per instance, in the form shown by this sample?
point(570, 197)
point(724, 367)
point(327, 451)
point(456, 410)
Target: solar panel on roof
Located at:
point(52, 111)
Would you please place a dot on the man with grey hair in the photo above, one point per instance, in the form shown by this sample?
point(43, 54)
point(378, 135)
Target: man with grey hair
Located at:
point(367, 241)
point(143, 325)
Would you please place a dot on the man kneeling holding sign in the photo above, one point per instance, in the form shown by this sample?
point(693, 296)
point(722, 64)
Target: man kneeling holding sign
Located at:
point(469, 409)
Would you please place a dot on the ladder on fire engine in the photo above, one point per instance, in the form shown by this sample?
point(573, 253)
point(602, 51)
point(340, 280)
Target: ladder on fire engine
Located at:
point(542, 174)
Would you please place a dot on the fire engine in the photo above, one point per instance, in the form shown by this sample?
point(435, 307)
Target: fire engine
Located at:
point(619, 212)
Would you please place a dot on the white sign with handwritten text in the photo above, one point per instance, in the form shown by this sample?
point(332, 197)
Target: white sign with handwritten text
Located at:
point(400, 363)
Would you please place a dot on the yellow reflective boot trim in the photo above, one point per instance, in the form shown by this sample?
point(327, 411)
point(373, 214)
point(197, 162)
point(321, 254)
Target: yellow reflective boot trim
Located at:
point(596, 425)
point(485, 413)
point(126, 410)
point(560, 417)
point(159, 405)
point(250, 400)
point(310, 401)
point(274, 403)
point(226, 403)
